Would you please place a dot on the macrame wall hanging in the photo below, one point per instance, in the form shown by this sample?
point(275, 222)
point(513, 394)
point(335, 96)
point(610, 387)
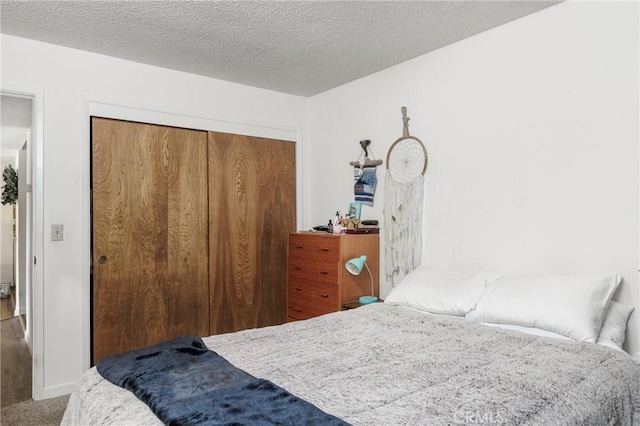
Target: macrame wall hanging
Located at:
point(364, 175)
point(403, 201)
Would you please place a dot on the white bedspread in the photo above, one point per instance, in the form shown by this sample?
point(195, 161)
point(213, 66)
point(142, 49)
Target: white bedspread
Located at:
point(389, 365)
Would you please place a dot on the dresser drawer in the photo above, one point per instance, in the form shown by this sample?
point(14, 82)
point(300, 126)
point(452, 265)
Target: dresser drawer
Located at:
point(312, 270)
point(299, 310)
point(307, 299)
point(323, 248)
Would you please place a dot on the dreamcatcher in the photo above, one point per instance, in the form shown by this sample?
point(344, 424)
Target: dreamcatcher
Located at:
point(404, 192)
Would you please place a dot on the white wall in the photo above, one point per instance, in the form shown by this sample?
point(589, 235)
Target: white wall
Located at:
point(67, 78)
point(6, 236)
point(532, 133)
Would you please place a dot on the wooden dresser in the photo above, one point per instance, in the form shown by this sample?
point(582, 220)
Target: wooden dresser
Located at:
point(317, 280)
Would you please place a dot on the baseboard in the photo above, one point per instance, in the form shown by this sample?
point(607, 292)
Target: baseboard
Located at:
point(54, 391)
point(27, 338)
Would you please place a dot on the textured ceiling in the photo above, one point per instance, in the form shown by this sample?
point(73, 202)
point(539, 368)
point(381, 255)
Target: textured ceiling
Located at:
point(297, 47)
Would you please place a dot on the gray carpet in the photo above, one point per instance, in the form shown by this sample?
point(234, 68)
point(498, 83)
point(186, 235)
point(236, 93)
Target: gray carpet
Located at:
point(15, 364)
point(6, 307)
point(15, 385)
point(35, 413)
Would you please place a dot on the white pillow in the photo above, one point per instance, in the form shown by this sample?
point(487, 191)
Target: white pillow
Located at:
point(544, 333)
point(571, 306)
point(528, 330)
point(439, 292)
point(614, 324)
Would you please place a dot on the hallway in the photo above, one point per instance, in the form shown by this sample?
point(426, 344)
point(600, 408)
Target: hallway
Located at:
point(15, 358)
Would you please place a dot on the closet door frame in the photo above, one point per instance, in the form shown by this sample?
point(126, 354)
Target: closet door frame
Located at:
point(105, 108)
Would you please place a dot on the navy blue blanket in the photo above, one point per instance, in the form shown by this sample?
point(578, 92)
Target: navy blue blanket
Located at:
point(185, 383)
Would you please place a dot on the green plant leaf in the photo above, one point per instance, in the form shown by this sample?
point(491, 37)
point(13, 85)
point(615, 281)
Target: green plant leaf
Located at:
point(10, 188)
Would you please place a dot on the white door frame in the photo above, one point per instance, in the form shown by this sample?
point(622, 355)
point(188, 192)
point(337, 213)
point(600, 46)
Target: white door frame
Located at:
point(109, 108)
point(37, 235)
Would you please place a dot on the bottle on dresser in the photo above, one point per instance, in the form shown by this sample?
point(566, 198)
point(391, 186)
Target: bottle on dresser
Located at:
point(337, 224)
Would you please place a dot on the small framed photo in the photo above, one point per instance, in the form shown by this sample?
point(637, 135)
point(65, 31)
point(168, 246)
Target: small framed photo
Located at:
point(354, 210)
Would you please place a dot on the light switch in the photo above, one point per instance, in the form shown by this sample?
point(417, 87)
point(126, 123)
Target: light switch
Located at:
point(57, 232)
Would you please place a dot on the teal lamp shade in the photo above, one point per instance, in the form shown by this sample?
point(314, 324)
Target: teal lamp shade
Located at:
point(354, 266)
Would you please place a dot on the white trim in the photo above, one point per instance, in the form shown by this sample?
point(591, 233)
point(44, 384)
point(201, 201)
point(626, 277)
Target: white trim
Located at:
point(98, 106)
point(37, 314)
point(58, 390)
point(27, 339)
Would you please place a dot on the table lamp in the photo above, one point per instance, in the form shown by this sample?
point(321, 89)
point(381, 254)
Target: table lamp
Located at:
point(354, 266)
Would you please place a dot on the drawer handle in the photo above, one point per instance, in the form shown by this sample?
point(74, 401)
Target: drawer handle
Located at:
point(325, 295)
point(324, 249)
point(299, 246)
point(297, 309)
point(298, 268)
point(324, 272)
point(299, 288)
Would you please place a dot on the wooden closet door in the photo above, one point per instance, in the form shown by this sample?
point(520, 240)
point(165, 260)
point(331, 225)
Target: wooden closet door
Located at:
point(150, 235)
point(252, 209)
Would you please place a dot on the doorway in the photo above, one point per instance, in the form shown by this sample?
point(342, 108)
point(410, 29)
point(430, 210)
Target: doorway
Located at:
point(34, 327)
point(16, 246)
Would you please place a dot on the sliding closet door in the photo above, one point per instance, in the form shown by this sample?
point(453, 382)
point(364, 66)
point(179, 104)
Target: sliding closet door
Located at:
point(252, 208)
point(150, 235)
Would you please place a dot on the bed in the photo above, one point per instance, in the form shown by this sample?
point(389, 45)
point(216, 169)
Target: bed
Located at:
point(389, 363)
